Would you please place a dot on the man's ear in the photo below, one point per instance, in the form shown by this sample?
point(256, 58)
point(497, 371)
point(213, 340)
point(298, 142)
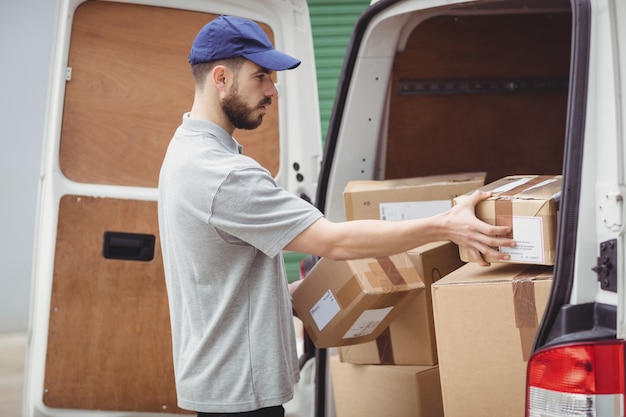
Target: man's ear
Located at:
point(219, 77)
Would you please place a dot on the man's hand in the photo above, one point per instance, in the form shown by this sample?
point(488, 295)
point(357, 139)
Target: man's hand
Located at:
point(478, 237)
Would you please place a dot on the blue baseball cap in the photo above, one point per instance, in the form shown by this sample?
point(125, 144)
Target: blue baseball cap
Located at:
point(229, 36)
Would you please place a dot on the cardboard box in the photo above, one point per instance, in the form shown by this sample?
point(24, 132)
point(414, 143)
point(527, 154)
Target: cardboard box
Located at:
point(529, 204)
point(348, 302)
point(407, 198)
point(410, 337)
point(485, 321)
point(385, 390)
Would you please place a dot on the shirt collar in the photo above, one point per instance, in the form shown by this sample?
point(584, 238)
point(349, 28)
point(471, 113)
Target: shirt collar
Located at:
point(213, 129)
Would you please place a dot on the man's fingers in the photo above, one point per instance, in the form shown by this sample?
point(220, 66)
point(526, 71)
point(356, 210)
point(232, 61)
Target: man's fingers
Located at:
point(488, 248)
point(476, 257)
point(502, 241)
point(500, 231)
point(495, 253)
point(478, 196)
point(293, 285)
point(485, 238)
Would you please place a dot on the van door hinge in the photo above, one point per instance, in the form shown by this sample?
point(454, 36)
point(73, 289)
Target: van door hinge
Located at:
point(68, 74)
point(611, 210)
point(606, 267)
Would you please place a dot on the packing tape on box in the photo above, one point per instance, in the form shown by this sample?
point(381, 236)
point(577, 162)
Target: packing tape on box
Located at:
point(390, 270)
point(382, 274)
point(504, 205)
point(524, 306)
point(385, 350)
point(383, 341)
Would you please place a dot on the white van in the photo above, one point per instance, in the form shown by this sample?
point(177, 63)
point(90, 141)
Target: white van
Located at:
point(428, 87)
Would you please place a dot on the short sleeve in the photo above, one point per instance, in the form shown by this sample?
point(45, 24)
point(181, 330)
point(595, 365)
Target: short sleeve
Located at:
point(249, 206)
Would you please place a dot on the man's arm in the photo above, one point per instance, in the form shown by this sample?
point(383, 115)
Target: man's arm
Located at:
point(371, 238)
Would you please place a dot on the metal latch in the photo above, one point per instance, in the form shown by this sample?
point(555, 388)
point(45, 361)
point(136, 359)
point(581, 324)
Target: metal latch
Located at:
point(606, 267)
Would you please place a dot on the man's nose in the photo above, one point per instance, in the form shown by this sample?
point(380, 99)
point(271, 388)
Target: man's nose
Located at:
point(272, 91)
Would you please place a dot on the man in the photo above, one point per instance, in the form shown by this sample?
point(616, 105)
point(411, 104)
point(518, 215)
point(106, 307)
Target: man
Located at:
point(224, 224)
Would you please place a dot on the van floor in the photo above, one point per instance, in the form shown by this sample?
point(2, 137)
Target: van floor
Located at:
point(12, 355)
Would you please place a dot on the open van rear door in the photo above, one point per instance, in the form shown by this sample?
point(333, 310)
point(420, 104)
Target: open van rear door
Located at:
point(120, 83)
point(578, 367)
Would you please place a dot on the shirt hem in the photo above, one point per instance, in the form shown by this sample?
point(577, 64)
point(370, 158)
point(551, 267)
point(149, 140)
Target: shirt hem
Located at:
point(234, 408)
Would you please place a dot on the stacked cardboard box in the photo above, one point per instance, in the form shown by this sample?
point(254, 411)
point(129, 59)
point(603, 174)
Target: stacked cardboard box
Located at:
point(396, 373)
point(410, 338)
point(486, 318)
point(485, 321)
point(529, 204)
point(407, 198)
point(385, 390)
point(348, 302)
point(461, 343)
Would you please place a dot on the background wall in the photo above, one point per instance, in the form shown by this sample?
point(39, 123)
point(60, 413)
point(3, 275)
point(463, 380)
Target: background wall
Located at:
point(26, 33)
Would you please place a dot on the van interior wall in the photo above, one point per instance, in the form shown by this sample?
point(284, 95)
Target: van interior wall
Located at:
point(501, 132)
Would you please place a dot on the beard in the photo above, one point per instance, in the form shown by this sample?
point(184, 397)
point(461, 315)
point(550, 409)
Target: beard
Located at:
point(240, 113)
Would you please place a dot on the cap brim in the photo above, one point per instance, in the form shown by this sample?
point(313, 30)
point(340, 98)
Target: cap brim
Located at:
point(273, 59)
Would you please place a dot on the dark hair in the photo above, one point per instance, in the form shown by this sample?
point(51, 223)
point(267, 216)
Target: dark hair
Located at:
point(201, 70)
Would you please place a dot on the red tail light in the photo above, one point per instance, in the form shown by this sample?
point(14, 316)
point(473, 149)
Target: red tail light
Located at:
point(585, 379)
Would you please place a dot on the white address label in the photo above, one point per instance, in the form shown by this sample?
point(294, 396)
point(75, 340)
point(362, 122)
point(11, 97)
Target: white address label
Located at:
point(367, 322)
point(397, 211)
point(528, 236)
point(324, 310)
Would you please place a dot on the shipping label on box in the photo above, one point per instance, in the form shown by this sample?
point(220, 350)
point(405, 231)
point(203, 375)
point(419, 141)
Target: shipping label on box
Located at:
point(407, 198)
point(367, 322)
point(325, 310)
point(348, 302)
point(529, 204)
point(406, 210)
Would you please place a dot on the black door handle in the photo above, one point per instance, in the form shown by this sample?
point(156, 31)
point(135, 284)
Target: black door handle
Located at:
point(128, 246)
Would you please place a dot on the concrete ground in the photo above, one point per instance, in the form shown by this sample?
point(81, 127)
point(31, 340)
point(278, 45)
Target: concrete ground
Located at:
point(12, 354)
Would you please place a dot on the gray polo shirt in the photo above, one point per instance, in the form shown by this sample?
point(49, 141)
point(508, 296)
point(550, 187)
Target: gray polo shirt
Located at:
point(223, 224)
